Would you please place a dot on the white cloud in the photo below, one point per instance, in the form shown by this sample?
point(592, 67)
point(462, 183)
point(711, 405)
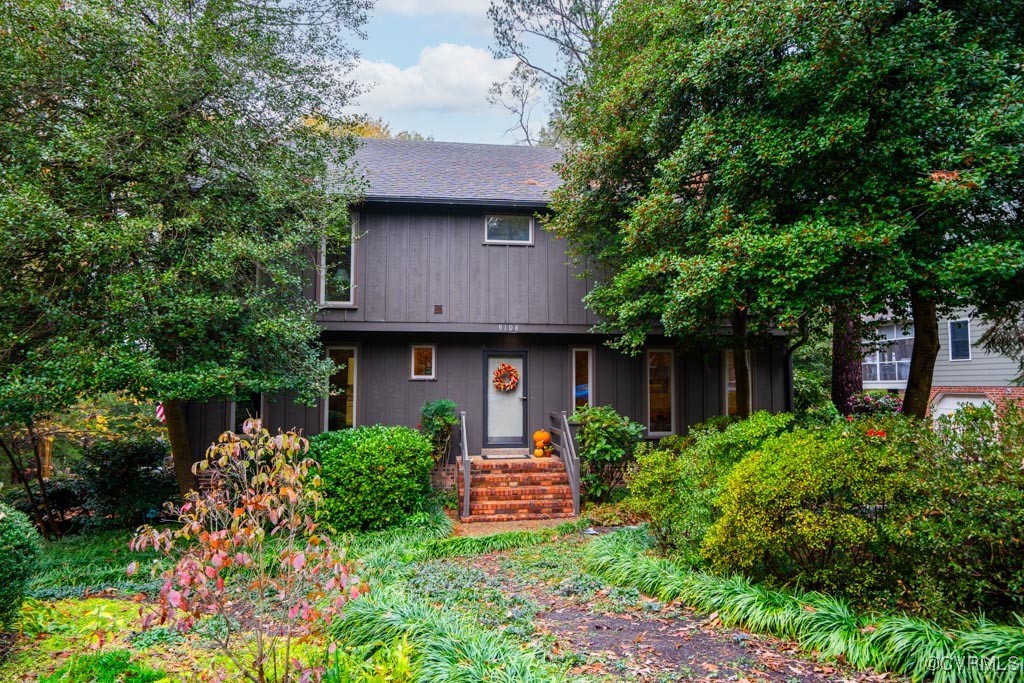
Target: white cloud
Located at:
point(446, 78)
point(411, 8)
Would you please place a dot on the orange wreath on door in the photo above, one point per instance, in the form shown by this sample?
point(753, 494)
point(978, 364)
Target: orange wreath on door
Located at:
point(506, 378)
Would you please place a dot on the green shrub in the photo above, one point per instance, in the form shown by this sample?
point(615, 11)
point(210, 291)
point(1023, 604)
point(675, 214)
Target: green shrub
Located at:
point(112, 666)
point(673, 486)
point(373, 477)
point(19, 550)
point(124, 483)
point(606, 440)
point(969, 533)
point(437, 419)
point(817, 507)
point(64, 494)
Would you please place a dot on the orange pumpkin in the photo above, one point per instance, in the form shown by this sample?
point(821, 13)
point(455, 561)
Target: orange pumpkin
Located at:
point(541, 437)
point(538, 453)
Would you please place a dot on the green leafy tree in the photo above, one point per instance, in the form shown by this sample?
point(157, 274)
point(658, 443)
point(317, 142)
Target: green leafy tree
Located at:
point(160, 199)
point(749, 162)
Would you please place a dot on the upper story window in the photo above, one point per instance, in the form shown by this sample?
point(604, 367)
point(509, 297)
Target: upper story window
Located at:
point(337, 270)
point(891, 361)
point(959, 339)
point(508, 229)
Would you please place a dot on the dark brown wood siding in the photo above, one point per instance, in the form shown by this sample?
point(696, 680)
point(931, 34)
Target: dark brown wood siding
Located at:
point(386, 394)
point(408, 260)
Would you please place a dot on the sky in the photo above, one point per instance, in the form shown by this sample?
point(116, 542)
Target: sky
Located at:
point(427, 68)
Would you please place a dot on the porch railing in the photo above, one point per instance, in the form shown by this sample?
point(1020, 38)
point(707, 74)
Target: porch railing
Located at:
point(464, 461)
point(565, 446)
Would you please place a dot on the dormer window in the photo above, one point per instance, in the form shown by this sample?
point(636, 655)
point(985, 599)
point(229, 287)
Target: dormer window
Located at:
point(508, 229)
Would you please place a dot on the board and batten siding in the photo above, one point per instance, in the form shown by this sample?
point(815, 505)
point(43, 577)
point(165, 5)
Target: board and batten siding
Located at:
point(984, 369)
point(410, 259)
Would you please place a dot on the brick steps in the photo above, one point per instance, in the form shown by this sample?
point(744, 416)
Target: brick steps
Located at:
point(503, 491)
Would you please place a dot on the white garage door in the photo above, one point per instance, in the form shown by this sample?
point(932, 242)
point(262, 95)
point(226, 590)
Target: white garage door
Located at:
point(947, 404)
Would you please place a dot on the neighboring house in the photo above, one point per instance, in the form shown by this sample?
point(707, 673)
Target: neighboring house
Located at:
point(965, 372)
point(449, 276)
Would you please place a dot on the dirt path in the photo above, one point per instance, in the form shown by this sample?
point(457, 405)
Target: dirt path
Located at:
point(615, 635)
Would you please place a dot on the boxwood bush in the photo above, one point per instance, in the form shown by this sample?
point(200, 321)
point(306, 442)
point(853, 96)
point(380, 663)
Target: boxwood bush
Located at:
point(19, 548)
point(372, 477)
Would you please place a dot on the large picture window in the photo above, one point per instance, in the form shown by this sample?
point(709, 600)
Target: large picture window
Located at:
point(582, 378)
point(959, 339)
point(337, 270)
point(508, 230)
point(889, 360)
point(341, 404)
point(661, 404)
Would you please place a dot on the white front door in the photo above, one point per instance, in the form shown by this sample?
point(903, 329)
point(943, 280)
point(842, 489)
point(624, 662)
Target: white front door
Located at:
point(505, 399)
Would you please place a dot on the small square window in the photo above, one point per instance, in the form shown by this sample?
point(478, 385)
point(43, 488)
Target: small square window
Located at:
point(423, 361)
point(509, 230)
point(959, 339)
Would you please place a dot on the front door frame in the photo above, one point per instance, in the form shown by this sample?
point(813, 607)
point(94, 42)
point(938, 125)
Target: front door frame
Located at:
point(523, 374)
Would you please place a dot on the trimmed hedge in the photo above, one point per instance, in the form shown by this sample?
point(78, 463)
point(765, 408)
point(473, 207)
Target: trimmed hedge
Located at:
point(19, 550)
point(372, 477)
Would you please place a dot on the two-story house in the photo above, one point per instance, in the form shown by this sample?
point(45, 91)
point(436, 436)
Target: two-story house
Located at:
point(450, 288)
point(965, 372)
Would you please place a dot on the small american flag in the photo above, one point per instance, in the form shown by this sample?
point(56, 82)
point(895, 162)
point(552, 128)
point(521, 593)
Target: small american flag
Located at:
point(160, 413)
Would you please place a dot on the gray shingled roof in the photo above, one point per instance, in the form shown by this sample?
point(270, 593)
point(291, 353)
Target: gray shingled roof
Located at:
point(456, 172)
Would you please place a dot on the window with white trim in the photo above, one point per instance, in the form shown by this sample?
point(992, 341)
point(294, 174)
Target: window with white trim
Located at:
point(423, 361)
point(959, 339)
point(337, 270)
point(582, 378)
point(508, 229)
point(340, 411)
point(661, 400)
point(729, 373)
point(889, 359)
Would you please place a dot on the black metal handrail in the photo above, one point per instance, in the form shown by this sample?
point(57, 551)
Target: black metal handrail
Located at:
point(565, 446)
point(465, 462)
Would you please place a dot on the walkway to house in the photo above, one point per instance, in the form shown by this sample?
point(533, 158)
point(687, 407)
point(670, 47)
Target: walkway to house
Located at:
point(611, 634)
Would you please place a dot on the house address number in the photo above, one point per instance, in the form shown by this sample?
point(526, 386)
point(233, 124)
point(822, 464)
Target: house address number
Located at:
point(508, 328)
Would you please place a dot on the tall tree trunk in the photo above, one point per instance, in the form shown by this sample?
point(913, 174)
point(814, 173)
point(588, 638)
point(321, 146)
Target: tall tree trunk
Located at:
point(181, 448)
point(40, 518)
point(926, 350)
point(44, 493)
point(739, 362)
point(847, 357)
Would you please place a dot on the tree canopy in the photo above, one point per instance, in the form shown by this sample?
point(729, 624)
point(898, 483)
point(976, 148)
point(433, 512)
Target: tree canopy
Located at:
point(766, 159)
point(160, 197)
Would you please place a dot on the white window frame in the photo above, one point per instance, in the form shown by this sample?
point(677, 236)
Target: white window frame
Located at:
point(899, 333)
point(322, 271)
point(647, 391)
point(520, 243)
point(726, 354)
point(412, 362)
point(355, 385)
point(589, 350)
point(970, 350)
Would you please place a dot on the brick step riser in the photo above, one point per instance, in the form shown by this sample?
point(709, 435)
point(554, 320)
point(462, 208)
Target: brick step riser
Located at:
point(521, 512)
point(521, 491)
point(516, 485)
point(514, 518)
point(557, 467)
